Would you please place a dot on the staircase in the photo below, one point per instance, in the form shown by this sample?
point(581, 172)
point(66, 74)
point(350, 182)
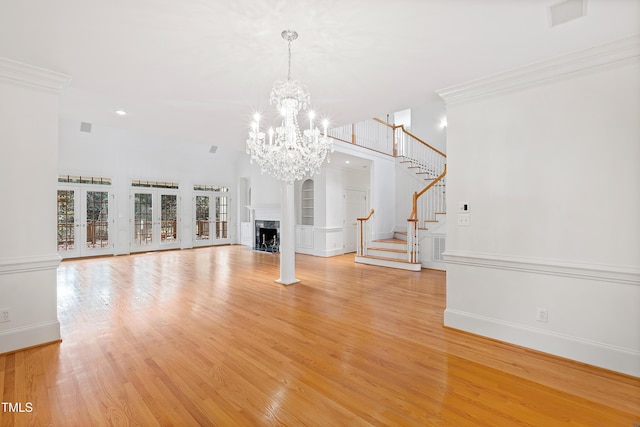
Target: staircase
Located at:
point(392, 252)
point(428, 164)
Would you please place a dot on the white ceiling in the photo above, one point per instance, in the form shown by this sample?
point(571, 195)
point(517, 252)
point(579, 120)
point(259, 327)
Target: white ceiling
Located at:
point(196, 70)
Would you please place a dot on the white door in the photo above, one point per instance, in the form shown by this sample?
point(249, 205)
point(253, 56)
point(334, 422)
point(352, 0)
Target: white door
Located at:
point(211, 218)
point(355, 206)
point(155, 219)
point(83, 221)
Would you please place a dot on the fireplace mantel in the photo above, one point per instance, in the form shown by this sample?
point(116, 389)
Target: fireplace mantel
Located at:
point(265, 212)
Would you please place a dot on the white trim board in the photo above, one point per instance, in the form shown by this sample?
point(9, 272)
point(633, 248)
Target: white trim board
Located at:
point(606, 273)
point(606, 356)
point(619, 52)
point(35, 77)
point(29, 336)
point(23, 265)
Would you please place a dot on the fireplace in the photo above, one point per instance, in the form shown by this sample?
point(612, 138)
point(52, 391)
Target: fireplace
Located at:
point(267, 236)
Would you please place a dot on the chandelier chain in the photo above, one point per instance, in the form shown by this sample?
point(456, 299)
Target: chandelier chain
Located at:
point(289, 72)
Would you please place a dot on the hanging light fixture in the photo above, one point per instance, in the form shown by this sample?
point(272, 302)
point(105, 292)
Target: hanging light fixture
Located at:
point(286, 152)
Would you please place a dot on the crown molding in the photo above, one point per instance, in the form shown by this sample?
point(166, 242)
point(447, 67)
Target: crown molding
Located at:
point(27, 75)
point(620, 52)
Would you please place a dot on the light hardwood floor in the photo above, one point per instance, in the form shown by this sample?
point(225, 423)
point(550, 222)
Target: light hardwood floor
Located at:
point(206, 337)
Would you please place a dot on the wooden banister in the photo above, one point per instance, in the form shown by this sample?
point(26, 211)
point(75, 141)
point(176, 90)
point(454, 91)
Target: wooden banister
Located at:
point(394, 127)
point(367, 217)
point(416, 196)
point(361, 237)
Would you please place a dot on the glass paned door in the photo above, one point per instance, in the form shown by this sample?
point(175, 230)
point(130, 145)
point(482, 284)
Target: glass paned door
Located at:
point(67, 223)
point(83, 218)
point(155, 219)
point(211, 218)
point(221, 218)
point(169, 218)
point(97, 214)
point(142, 220)
point(202, 226)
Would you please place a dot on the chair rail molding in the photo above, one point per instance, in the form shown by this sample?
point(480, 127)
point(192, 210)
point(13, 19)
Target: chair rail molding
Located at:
point(28, 264)
point(607, 273)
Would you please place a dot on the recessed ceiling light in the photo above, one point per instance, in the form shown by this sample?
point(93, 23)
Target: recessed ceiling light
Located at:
point(121, 112)
point(347, 161)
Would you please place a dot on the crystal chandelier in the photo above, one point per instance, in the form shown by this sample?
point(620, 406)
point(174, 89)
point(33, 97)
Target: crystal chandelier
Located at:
point(286, 152)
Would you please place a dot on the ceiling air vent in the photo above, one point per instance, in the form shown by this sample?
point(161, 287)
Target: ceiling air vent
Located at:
point(85, 127)
point(213, 149)
point(566, 11)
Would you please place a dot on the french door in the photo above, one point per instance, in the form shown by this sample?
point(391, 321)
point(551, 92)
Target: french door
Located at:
point(211, 218)
point(84, 219)
point(155, 219)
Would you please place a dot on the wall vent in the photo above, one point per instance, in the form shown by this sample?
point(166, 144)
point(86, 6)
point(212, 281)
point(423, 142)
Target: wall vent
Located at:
point(213, 149)
point(438, 249)
point(85, 127)
point(566, 11)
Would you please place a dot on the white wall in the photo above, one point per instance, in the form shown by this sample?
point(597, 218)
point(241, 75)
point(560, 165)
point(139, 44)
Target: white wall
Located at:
point(550, 171)
point(426, 123)
point(124, 156)
point(265, 190)
point(28, 256)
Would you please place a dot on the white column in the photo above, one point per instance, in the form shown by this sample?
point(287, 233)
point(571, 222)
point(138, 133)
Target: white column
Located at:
point(28, 185)
point(287, 237)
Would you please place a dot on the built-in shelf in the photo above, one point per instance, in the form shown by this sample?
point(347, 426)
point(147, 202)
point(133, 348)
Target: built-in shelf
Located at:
point(307, 202)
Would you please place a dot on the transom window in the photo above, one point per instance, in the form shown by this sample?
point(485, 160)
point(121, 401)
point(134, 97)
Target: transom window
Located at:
point(216, 188)
point(84, 179)
point(154, 184)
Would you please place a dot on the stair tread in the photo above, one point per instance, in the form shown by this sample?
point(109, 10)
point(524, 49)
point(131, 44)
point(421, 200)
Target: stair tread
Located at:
point(391, 241)
point(389, 250)
point(389, 259)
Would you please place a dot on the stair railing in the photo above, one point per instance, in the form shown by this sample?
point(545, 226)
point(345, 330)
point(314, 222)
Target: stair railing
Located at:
point(373, 134)
point(363, 234)
point(396, 141)
point(408, 146)
point(435, 194)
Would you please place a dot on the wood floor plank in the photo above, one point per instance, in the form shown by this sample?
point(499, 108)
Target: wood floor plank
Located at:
point(206, 337)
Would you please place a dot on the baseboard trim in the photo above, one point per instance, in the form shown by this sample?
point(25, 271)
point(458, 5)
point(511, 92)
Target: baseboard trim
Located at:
point(600, 272)
point(29, 336)
point(619, 359)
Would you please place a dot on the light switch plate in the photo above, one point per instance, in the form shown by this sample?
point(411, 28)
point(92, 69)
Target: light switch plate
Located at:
point(464, 220)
